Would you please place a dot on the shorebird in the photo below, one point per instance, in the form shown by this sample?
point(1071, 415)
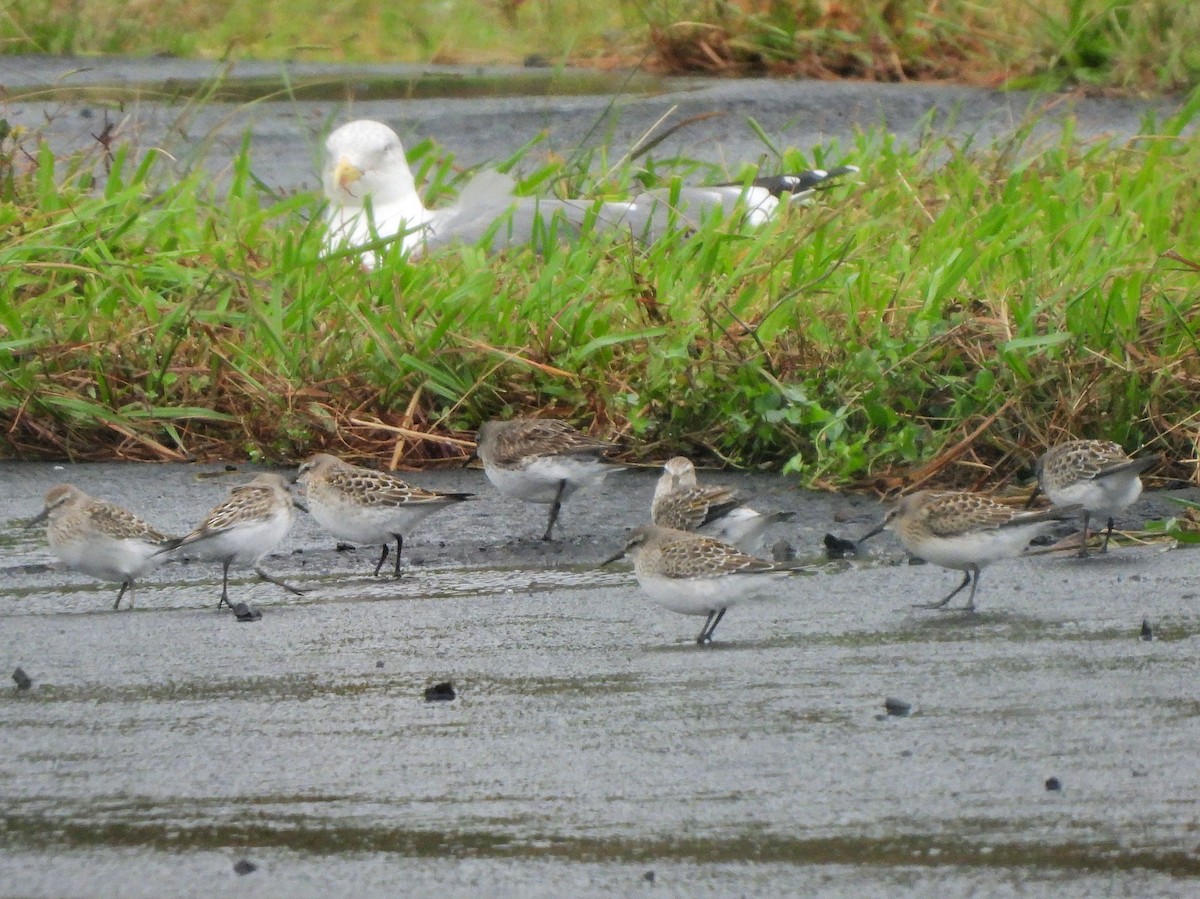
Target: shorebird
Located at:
point(99, 538)
point(243, 529)
point(696, 575)
point(963, 531)
point(542, 460)
point(373, 197)
point(682, 503)
point(365, 506)
point(1094, 475)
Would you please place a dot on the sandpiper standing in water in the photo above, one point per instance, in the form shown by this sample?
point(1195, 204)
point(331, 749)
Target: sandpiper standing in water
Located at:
point(696, 575)
point(99, 538)
point(682, 503)
point(542, 460)
point(964, 532)
point(1094, 475)
point(365, 506)
point(244, 528)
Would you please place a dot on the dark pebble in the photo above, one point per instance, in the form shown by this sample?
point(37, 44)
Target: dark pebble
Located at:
point(244, 612)
point(916, 560)
point(243, 867)
point(836, 547)
point(22, 680)
point(898, 707)
point(648, 877)
point(379, 664)
point(344, 547)
point(1053, 783)
point(537, 61)
point(1147, 630)
point(231, 468)
point(443, 692)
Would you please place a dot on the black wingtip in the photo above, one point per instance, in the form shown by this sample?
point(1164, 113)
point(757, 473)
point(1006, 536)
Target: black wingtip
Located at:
point(777, 185)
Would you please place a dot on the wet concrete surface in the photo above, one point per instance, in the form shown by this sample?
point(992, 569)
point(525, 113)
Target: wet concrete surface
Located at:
point(70, 100)
point(593, 748)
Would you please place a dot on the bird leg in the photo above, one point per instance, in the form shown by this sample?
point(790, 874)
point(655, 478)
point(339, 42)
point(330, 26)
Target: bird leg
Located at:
point(970, 606)
point(557, 504)
point(224, 586)
point(278, 583)
point(1107, 534)
point(710, 625)
point(1083, 549)
point(382, 558)
point(399, 549)
point(942, 604)
point(124, 584)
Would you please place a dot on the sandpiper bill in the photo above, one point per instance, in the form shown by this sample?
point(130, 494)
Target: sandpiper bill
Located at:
point(696, 575)
point(682, 503)
point(99, 538)
point(244, 528)
point(1094, 475)
point(542, 461)
point(964, 532)
point(365, 506)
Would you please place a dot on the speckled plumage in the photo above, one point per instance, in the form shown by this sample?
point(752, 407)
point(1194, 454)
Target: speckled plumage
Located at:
point(963, 531)
point(682, 503)
point(244, 528)
point(365, 506)
point(696, 575)
point(542, 460)
point(99, 538)
point(1095, 475)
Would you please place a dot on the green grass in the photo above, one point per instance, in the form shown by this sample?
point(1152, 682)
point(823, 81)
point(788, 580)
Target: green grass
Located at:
point(1126, 45)
point(947, 318)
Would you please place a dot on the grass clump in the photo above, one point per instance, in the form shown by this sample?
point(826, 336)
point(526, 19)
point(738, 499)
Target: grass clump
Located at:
point(944, 320)
point(1126, 45)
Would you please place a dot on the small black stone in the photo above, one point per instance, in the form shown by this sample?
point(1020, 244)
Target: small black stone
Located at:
point(379, 664)
point(1053, 783)
point(243, 867)
point(231, 468)
point(1147, 630)
point(648, 877)
point(898, 707)
point(536, 61)
point(443, 692)
point(345, 547)
point(244, 612)
point(23, 680)
point(837, 547)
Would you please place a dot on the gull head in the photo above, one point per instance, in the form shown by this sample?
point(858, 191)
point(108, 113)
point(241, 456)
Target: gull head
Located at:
point(366, 160)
